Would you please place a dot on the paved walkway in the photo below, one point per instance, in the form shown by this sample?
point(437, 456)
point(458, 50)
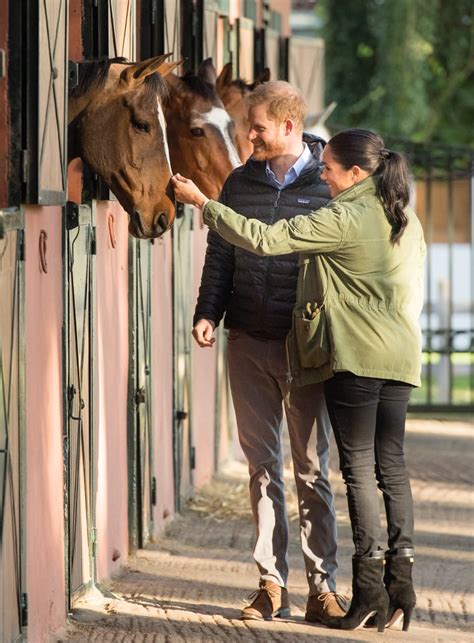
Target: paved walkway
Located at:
point(189, 586)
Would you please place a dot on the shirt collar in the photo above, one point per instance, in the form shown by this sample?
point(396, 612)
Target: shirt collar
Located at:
point(295, 170)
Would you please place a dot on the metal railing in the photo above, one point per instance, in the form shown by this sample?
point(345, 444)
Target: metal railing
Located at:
point(443, 199)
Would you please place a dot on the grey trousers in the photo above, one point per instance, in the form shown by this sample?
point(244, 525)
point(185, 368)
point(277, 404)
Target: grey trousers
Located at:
point(258, 380)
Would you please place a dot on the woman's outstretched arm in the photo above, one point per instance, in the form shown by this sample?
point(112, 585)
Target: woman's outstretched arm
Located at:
point(321, 231)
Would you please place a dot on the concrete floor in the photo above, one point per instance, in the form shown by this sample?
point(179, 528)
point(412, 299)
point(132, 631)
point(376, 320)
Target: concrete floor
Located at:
point(190, 585)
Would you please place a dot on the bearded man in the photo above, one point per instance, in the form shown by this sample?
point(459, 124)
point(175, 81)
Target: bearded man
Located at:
point(255, 296)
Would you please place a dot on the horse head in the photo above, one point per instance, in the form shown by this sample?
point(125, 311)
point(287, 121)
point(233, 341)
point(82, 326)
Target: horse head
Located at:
point(232, 93)
point(116, 126)
point(200, 131)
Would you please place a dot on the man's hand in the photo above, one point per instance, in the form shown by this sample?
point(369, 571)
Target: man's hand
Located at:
point(203, 332)
point(187, 192)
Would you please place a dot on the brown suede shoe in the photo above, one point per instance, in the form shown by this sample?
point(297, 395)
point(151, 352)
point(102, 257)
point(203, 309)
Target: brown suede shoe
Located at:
point(321, 607)
point(269, 601)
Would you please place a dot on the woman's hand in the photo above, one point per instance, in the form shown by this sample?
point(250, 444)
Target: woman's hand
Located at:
point(187, 192)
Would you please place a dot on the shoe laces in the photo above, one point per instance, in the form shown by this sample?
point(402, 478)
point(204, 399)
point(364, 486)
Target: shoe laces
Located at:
point(327, 597)
point(253, 595)
point(256, 593)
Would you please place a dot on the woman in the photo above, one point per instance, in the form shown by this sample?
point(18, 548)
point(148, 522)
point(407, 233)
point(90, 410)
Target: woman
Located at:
point(356, 328)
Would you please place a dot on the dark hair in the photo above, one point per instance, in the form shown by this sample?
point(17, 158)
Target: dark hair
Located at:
point(366, 149)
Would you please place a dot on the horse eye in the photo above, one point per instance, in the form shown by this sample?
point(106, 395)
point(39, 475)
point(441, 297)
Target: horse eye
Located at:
point(197, 131)
point(141, 126)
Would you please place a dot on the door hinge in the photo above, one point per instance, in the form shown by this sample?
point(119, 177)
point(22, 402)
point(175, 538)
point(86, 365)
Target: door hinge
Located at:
point(93, 242)
point(21, 245)
point(3, 67)
point(24, 609)
point(140, 396)
point(94, 542)
point(153, 491)
point(192, 457)
point(25, 166)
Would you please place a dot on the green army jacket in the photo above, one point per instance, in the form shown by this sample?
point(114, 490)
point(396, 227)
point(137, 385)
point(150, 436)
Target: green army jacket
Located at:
point(369, 291)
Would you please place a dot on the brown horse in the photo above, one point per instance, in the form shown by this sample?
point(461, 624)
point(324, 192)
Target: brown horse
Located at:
point(200, 131)
point(116, 126)
point(233, 93)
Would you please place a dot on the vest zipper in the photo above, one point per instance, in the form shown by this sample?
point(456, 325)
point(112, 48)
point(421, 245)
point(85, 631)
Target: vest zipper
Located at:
point(269, 263)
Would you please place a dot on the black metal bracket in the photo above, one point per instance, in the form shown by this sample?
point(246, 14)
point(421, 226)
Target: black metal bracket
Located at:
point(72, 75)
point(24, 609)
point(71, 212)
point(179, 210)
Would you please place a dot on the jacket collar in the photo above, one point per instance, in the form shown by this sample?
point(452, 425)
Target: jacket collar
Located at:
point(366, 187)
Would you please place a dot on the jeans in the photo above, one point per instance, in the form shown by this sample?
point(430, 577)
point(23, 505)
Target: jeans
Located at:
point(368, 419)
point(258, 379)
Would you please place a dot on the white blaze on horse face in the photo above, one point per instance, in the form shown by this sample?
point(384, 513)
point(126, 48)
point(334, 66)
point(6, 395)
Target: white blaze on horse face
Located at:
point(162, 122)
point(218, 117)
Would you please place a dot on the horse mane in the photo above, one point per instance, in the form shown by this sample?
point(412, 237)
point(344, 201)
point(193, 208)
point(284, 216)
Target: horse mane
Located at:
point(93, 74)
point(241, 84)
point(199, 86)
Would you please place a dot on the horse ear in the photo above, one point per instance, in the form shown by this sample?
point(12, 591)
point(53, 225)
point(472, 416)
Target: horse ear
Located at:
point(167, 68)
point(225, 77)
point(263, 77)
point(136, 73)
point(173, 82)
point(207, 72)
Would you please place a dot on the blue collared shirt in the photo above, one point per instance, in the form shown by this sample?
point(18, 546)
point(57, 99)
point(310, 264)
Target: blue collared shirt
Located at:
point(294, 171)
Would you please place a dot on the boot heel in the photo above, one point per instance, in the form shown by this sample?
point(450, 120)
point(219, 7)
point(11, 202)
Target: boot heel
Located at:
point(283, 612)
point(381, 620)
point(399, 584)
point(406, 619)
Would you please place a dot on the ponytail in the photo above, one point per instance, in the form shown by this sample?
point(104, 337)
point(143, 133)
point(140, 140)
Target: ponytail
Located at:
point(393, 190)
point(366, 149)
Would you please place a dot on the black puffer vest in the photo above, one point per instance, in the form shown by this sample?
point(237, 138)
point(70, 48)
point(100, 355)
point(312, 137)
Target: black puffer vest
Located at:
point(257, 294)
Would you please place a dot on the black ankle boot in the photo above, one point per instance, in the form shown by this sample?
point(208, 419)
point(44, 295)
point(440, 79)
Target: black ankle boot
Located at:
point(399, 583)
point(369, 596)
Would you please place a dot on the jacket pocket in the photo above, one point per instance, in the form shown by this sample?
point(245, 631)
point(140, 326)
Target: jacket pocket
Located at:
point(310, 335)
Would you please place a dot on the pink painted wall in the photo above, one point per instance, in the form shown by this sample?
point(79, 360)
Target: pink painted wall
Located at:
point(234, 10)
point(44, 421)
point(283, 7)
point(162, 379)
point(203, 375)
point(112, 382)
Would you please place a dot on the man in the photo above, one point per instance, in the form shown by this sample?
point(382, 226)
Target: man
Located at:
point(257, 296)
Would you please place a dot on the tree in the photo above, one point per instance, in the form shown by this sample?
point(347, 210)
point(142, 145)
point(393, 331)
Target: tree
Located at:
point(401, 66)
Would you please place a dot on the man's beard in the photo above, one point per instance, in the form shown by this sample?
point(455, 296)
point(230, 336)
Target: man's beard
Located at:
point(267, 151)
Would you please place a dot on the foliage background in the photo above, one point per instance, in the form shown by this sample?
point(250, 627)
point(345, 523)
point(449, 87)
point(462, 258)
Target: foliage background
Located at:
point(402, 67)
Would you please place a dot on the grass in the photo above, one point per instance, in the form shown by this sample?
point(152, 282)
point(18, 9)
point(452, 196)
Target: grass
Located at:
point(462, 367)
point(461, 390)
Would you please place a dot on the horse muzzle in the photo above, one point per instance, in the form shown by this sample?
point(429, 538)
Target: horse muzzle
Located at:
point(148, 229)
point(160, 224)
point(136, 227)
